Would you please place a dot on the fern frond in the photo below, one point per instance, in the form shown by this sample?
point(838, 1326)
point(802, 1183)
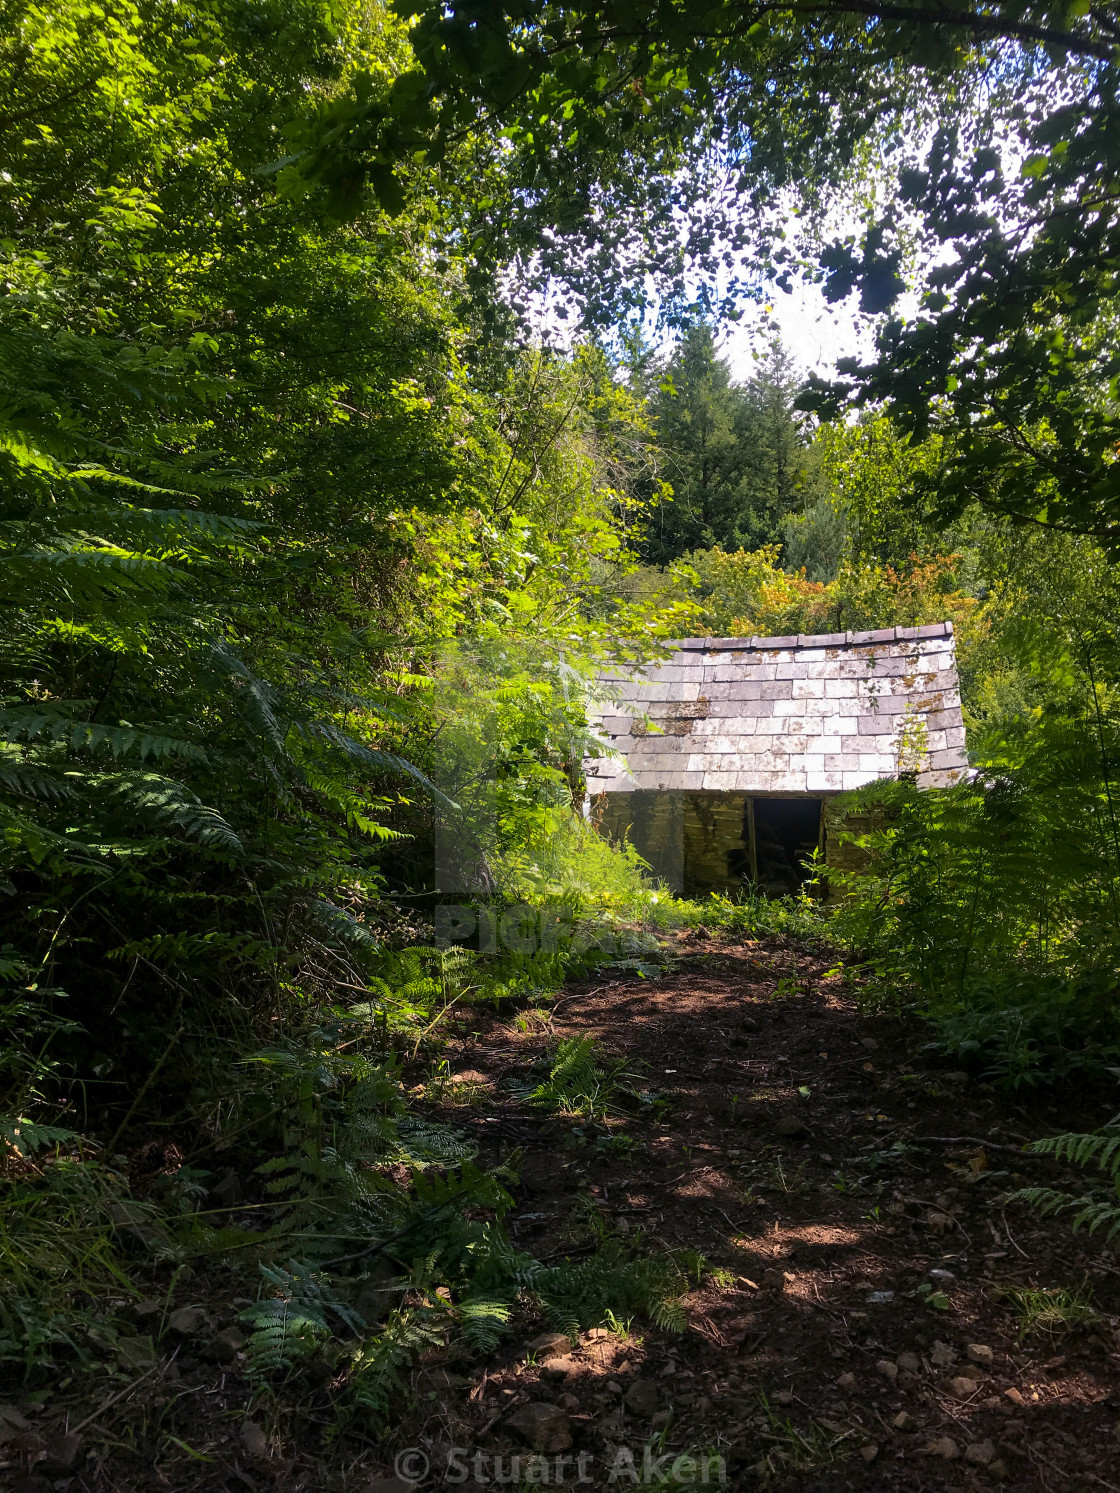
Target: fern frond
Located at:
point(1098, 1213)
point(1046, 1200)
point(377, 1371)
point(255, 696)
point(169, 802)
point(29, 779)
point(1080, 1149)
point(345, 925)
point(579, 1294)
point(369, 757)
point(290, 1324)
point(577, 1082)
point(1093, 1212)
point(483, 1322)
point(31, 723)
point(423, 1143)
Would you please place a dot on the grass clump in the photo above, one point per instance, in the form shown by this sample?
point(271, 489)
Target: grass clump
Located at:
point(750, 914)
point(1050, 1310)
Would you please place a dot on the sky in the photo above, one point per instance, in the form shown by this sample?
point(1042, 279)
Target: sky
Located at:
point(813, 332)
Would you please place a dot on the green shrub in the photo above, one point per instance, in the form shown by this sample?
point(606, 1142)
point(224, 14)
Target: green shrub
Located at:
point(992, 906)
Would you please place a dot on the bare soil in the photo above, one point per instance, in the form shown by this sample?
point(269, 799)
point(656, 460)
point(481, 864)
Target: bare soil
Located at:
point(855, 1323)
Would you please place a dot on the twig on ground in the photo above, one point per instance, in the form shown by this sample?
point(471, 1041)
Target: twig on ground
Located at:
point(738, 1227)
point(974, 1140)
point(112, 1400)
point(564, 1254)
point(581, 995)
point(1011, 1241)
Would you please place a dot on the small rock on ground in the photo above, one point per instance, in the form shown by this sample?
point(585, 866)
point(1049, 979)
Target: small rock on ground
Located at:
point(642, 1398)
point(187, 1320)
point(962, 1387)
point(64, 1454)
point(551, 1344)
point(546, 1428)
point(254, 1440)
point(943, 1446)
point(225, 1347)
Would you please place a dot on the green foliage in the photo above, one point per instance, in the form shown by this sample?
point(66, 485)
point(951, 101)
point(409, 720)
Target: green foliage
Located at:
point(1012, 356)
point(378, 1371)
point(647, 144)
point(655, 152)
point(998, 898)
point(310, 564)
point(751, 915)
point(289, 1324)
point(995, 900)
point(1091, 1211)
point(273, 537)
point(571, 870)
point(1048, 1310)
point(578, 1082)
point(62, 1231)
point(733, 456)
point(578, 1294)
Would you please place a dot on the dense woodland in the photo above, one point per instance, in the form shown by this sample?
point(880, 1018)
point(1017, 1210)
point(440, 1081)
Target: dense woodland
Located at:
point(363, 388)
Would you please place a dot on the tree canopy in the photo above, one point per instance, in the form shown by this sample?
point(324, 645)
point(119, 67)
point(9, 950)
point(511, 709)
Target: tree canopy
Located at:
point(667, 145)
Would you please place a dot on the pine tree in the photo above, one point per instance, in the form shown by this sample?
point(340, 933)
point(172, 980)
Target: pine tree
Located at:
point(734, 454)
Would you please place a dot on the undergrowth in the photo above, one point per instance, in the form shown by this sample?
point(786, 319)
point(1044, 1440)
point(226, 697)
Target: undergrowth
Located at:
point(373, 1233)
point(804, 917)
point(990, 909)
point(577, 1081)
point(1098, 1208)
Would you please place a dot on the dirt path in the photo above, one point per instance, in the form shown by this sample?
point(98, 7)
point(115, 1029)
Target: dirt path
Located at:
point(857, 1324)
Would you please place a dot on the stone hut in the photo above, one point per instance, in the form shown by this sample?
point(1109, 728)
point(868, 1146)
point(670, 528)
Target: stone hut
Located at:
point(725, 757)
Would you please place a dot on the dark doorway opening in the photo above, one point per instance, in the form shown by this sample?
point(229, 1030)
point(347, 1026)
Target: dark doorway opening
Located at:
point(786, 832)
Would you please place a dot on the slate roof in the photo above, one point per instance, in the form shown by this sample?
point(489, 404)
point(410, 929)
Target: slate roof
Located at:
point(807, 714)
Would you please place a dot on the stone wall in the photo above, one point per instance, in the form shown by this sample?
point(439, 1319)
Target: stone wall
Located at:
point(693, 841)
point(700, 843)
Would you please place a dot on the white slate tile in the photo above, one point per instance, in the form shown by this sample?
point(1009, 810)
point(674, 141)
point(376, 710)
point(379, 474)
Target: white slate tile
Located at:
point(789, 782)
point(824, 782)
point(720, 782)
point(857, 779)
point(879, 763)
